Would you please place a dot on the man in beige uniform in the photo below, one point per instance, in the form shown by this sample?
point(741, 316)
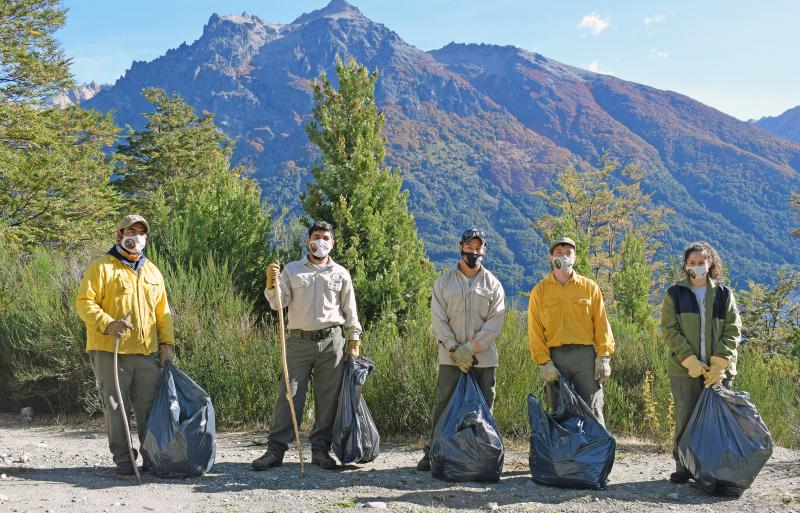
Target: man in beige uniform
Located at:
point(467, 311)
point(321, 300)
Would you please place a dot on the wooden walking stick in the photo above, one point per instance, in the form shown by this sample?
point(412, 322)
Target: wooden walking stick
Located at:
point(286, 381)
point(121, 405)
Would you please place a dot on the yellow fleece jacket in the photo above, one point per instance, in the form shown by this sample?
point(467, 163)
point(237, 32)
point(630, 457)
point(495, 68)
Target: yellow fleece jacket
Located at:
point(111, 289)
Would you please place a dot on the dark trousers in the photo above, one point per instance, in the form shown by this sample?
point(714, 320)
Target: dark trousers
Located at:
point(448, 380)
point(575, 363)
point(318, 360)
point(685, 394)
point(138, 380)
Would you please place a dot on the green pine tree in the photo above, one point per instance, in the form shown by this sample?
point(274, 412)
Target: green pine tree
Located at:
point(363, 198)
point(632, 282)
point(177, 148)
point(177, 171)
point(54, 178)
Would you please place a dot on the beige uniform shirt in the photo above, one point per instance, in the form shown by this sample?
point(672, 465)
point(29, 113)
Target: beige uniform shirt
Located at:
point(317, 298)
point(472, 314)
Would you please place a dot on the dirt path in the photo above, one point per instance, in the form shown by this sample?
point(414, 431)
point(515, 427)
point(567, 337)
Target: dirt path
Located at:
point(54, 468)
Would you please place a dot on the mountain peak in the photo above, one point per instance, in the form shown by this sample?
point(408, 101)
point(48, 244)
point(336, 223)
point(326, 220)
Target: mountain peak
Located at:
point(334, 9)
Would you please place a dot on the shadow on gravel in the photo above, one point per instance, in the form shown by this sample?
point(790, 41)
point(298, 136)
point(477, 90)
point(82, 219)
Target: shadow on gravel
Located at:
point(94, 478)
point(522, 489)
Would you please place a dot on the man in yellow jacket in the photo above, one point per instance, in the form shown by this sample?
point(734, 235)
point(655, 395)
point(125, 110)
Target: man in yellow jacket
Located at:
point(568, 330)
point(122, 295)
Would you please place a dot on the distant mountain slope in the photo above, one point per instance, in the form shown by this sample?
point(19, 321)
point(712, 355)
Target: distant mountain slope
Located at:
point(787, 125)
point(476, 129)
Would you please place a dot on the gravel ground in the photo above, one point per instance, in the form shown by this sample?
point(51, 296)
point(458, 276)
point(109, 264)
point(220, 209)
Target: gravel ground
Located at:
point(68, 468)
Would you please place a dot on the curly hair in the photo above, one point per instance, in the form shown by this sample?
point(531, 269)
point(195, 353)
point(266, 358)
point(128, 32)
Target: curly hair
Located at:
point(715, 266)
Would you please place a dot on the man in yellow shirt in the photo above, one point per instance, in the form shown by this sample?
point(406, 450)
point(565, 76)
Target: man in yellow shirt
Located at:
point(568, 330)
point(119, 283)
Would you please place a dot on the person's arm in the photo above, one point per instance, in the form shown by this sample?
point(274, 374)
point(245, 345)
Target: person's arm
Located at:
point(727, 344)
point(540, 354)
point(671, 329)
point(165, 328)
point(285, 288)
point(87, 302)
point(493, 325)
point(348, 302)
point(439, 319)
point(603, 338)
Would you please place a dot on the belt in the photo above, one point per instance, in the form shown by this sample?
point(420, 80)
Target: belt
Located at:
point(314, 335)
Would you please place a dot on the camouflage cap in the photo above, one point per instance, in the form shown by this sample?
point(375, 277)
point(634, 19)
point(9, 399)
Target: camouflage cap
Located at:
point(132, 219)
point(563, 240)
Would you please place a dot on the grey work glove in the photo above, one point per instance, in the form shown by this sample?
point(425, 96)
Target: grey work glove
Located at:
point(165, 354)
point(118, 328)
point(549, 372)
point(602, 368)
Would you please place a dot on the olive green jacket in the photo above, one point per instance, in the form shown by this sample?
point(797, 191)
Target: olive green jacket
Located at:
point(680, 325)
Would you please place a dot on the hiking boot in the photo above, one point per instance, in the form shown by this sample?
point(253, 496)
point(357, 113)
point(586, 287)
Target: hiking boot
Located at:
point(424, 465)
point(269, 459)
point(680, 476)
point(323, 459)
point(125, 469)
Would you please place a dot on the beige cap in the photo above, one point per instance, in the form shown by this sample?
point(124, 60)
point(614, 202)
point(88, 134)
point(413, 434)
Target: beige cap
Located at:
point(563, 240)
point(131, 220)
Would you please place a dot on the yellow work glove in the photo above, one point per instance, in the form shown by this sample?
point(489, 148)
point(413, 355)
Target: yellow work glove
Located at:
point(695, 367)
point(165, 353)
point(273, 270)
point(718, 366)
point(353, 348)
point(549, 372)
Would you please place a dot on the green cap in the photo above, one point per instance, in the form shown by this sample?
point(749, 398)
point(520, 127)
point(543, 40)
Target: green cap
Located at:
point(563, 240)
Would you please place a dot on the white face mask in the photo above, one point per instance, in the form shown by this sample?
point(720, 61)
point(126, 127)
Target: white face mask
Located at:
point(697, 272)
point(133, 243)
point(320, 248)
point(563, 263)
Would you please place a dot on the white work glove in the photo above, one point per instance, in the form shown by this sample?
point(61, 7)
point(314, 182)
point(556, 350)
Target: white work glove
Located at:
point(602, 368)
point(462, 357)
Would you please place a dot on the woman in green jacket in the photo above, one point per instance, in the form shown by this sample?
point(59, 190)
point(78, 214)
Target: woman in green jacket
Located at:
point(702, 329)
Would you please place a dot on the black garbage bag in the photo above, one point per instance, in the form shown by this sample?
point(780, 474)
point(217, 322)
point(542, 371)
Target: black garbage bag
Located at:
point(725, 443)
point(355, 436)
point(181, 439)
point(569, 447)
point(466, 443)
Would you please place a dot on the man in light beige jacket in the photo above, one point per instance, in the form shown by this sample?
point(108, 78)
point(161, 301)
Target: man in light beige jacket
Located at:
point(467, 310)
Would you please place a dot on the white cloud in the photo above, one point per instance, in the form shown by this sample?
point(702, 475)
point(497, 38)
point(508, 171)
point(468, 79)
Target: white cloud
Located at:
point(657, 18)
point(657, 55)
point(594, 67)
point(594, 24)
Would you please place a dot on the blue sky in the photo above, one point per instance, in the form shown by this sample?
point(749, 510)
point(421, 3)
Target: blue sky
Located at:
point(739, 56)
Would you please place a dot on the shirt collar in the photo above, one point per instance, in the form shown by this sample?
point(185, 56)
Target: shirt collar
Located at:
point(311, 264)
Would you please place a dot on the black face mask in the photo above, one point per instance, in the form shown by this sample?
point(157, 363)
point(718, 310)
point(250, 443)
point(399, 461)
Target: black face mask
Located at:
point(473, 259)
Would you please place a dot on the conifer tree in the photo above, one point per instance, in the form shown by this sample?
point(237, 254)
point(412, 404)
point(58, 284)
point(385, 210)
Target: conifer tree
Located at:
point(54, 178)
point(362, 197)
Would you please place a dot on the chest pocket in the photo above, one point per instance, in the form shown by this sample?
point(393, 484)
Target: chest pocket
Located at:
point(334, 285)
point(481, 298)
point(583, 307)
point(152, 289)
point(454, 302)
point(123, 285)
point(299, 281)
